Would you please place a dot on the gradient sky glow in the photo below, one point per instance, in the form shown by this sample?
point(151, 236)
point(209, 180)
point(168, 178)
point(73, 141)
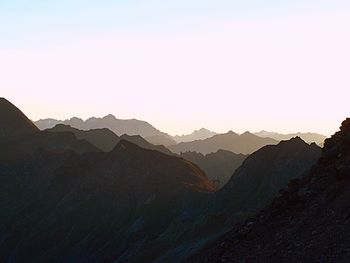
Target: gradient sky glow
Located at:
point(181, 65)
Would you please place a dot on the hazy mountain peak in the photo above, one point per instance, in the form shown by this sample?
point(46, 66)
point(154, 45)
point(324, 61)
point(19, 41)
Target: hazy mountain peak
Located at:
point(109, 117)
point(200, 134)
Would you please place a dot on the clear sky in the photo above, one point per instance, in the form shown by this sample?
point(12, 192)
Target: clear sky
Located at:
point(180, 65)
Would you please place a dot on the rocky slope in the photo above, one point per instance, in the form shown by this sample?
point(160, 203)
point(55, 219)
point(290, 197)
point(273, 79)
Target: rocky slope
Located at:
point(309, 222)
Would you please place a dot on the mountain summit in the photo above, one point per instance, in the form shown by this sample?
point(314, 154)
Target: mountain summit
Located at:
point(13, 122)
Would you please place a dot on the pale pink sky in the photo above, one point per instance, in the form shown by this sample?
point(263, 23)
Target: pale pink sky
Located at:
point(286, 72)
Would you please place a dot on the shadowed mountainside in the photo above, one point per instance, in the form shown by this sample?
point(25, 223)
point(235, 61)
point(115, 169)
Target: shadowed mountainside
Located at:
point(219, 166)
point(245, 143)
point(95, 206)
point(161, 140)
point(307, 223)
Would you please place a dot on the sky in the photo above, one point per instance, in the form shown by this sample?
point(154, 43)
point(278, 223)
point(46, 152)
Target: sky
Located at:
point(180, 65)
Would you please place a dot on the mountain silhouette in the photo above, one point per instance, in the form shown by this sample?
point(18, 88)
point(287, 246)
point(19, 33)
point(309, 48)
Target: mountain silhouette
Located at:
point(161, 140)
point(63, 203)
point(265, 172)
point(308, 222)
point(245, 143)
point(119, 127)
point(219, 166)
point(13, 122)
point(138, 140)
point(103, 139)
point(307, 137)
point(201, 134)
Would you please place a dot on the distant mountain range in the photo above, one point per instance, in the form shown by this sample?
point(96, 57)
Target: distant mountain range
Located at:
point(307, 137)
point(201, 134)
point(245, 143)
point(119, 127)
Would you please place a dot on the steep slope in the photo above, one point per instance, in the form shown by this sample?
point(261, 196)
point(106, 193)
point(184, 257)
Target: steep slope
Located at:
point(307, 137)
point(246, 143)
point(219, 166)
point(103, 139)
point(94, 207)
point(13, 122)
point(309, 222)
point(201, 134)
point(119, 127)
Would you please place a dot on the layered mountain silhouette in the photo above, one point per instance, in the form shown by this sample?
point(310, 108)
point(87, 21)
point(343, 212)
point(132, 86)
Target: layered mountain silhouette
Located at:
point(307, 223)
point(307, 137)
point(106, 140)
point(13, 122)
point(245, 143)
point(20, 137)
point(219, 166)
point(201, 134)
point(119, 127)
point(60, 205)
point(90, 195)
point(103, 139)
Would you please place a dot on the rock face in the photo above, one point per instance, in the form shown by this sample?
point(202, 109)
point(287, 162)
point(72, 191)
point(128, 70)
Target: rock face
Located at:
point(13, 122)
point(118, 126)
point(245, 143)
point(309, 222)
point(219, 166)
